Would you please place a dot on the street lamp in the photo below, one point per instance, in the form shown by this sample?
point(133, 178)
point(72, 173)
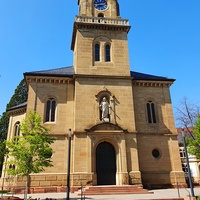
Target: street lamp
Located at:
point(187, 162)
point(68, 163)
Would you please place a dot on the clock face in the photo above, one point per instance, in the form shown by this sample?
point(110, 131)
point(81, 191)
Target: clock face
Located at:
point(100, 4)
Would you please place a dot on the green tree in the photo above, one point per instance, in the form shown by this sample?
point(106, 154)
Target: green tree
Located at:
point(194, 144)
point(2, 154)
point(20, 96)
point(31, 152)
point(3, 133)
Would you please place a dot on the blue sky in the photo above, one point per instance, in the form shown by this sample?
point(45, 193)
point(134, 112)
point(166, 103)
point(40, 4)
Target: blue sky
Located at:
point(164, 40)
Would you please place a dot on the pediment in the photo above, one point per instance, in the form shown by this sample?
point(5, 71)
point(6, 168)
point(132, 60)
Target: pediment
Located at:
point(106, 126)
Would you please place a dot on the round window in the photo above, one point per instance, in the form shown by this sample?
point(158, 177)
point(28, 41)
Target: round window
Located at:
point(156, 153)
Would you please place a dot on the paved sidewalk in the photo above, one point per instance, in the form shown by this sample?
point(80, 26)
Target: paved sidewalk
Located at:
point(154, 194)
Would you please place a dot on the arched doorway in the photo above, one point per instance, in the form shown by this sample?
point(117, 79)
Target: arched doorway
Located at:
point(106, 164)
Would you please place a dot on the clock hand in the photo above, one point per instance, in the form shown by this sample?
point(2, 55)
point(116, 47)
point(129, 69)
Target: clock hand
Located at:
point(100, 4)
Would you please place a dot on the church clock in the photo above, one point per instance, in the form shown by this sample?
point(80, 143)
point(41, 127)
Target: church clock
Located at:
point(100, 4)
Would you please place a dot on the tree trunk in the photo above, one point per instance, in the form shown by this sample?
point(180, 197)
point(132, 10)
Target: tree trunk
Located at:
point(27, 187)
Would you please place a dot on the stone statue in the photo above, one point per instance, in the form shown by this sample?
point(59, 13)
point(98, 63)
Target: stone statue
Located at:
point(105, 108)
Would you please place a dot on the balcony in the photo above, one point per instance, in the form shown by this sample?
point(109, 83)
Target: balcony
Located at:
point(99, 20)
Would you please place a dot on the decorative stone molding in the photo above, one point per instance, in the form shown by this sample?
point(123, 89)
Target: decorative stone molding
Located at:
point(152, 83)
point(48, 80)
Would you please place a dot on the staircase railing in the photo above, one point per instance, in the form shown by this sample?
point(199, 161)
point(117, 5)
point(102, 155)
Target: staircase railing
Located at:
point(182, 186)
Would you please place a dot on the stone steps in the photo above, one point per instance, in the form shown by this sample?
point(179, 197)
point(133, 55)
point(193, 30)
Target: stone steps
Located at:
point(108, 190)
point(118, 190)
point(168, 199)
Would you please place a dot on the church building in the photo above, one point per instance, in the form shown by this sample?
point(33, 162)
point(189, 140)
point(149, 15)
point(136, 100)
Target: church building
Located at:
point(121, 121)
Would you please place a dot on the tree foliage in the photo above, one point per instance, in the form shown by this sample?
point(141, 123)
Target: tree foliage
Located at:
point(2, 154)
point(31, 152)
point(194, 144)
point(4, 121)
point(20, 96)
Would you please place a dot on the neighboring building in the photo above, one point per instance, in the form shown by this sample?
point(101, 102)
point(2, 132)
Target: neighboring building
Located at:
point(193, 161)
point(122, 121)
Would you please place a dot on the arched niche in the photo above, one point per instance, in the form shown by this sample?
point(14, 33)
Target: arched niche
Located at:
point(100, 99)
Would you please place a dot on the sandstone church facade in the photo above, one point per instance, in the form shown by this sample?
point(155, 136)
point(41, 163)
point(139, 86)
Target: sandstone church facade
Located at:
point(134, 141)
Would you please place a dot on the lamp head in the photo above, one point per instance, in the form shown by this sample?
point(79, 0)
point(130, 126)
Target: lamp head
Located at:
point(69, 132)
point(182, 132)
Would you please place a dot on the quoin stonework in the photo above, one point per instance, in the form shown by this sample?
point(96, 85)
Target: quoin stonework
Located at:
point(122, 123)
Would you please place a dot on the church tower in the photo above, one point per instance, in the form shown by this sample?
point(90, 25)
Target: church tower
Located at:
point(101, 65)
point(99, 39)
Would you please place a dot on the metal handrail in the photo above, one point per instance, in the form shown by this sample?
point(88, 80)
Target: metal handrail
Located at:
point(184, 188)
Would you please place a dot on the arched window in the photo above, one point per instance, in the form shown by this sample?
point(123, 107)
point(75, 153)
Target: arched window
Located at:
point(50, 110)
point(97, 52)
point(17, 129)
point(100, 15)
point(107, 53)
point(151, 115)
point(12, 167)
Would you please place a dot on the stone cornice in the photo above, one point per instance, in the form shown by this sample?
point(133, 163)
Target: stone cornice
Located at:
point(54, 80)
point(152, 83)
point(165, 133)
point(101, 76)
point(18, 111)
point(66, 80)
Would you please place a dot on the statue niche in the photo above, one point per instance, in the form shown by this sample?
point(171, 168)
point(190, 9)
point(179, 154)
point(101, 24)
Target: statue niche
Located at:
point(104, 110)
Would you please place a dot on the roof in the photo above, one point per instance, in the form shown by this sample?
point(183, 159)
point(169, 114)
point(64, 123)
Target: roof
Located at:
point(64, 71)
point(17, 106)
point(69, 71)
point(142, 76)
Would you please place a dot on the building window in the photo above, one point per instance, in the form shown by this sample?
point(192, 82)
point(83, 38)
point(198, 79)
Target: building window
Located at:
point(50, 110)
point(151, 112)
point(183, 160)
point(182, 153)
point(101, 50)
point(156, 153)
point(107, 53)
point(185, 168)
point(17, 129)
point(12, 167)
point(97, 52)
point(100, 15)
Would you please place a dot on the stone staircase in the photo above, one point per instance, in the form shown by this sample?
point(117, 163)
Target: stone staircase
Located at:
point(106, 190)
point(117, 190)
point(168, 199)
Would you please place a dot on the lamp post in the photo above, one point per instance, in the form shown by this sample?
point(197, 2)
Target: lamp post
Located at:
point(187, 162)
point(68, 163)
